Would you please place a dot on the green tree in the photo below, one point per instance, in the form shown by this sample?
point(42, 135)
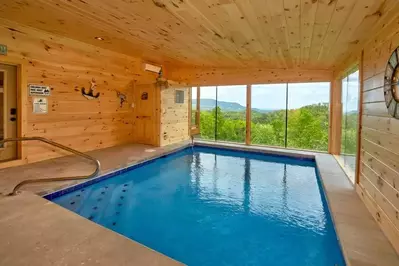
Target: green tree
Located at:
point(307, 127)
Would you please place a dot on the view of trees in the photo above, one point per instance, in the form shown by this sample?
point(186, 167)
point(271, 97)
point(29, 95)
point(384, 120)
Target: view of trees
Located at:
point(293, 115)
point(349, 134)
point(307, 127)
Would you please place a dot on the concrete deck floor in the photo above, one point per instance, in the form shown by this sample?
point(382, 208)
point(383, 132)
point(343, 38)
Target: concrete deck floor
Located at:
point(34, 231)
point(37, 232)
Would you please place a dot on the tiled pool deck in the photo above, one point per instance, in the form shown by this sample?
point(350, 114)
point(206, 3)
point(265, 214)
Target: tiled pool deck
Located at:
point(34, 231)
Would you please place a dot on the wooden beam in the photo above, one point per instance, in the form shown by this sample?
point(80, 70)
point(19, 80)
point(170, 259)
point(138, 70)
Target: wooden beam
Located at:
point(360, 118)
point(248, 116)
point(334, 140)
point(203, 76)
point(198, 116)
point(190, 106)
point(195, 129)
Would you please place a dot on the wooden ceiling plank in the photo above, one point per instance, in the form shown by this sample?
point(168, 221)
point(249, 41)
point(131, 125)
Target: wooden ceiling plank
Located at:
point(274, 13)
point(224, 12)
point(243, 35)
point(222, 36)
point(247, 9)
point(378, 13)
point(310, 34)
point(94, 15)
point(325, 10)
point(292, 12)
point(211, 34)
point(343, 10)
point(308, 16)
point(263, 16)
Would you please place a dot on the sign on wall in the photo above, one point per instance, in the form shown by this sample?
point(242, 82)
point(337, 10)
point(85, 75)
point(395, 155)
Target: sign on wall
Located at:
point(3, 49)
point(40, 105)
point(39, 90)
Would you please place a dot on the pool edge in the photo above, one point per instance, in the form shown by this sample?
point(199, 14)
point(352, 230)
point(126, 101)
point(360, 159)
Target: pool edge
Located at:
point(293, 154)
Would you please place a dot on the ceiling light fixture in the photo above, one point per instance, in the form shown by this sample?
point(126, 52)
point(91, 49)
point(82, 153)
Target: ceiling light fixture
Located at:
point(99, 38)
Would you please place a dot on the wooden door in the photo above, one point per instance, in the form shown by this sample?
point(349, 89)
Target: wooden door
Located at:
point(146, 114)
point(8, 111)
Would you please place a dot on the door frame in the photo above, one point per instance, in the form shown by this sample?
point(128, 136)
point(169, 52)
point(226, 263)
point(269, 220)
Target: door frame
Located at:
point(156, 111)
point(22, 100)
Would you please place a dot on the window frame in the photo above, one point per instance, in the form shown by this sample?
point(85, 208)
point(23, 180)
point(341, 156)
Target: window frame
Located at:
point(194, 129)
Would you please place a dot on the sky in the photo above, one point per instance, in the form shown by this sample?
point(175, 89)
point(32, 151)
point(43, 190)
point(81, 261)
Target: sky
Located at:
point(272, 96)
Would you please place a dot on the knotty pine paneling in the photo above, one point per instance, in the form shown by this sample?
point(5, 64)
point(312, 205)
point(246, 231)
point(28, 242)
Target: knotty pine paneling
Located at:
point(379, 158)
point(66, 66)
point(311, 34)
point(244, 76)
point(174, 116)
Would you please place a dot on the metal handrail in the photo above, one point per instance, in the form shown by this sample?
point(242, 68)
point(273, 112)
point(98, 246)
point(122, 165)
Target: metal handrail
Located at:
point(53, 179)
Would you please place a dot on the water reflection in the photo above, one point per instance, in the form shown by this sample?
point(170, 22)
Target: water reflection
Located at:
point(216, 208)
point(285, 192)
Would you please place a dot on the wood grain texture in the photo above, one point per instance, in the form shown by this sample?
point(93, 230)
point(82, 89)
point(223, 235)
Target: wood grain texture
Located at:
point(174, 116)
point(335, 124)
point(304, 34)
point(146, 113)
point(379, 215)
point(379, 169)
point(248, 114)
point(66, 66)
point(229, 76)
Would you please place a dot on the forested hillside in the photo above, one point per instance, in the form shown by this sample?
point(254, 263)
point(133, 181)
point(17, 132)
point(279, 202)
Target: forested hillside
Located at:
point(307, 127)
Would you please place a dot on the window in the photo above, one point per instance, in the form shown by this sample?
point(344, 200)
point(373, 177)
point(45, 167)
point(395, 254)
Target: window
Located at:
point(179, 97)
point(231, 113)
point(268, 114)
point(194, 108)
point(223, 113)
point(289, 115)
point(308, 115)
point(350, 116)
point(208, 113)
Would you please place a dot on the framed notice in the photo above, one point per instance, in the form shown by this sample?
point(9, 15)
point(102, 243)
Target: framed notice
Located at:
point(40, 105)
point(39, 90)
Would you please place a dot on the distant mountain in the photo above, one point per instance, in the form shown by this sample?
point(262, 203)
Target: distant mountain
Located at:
point(263, 110)
point(209, 104)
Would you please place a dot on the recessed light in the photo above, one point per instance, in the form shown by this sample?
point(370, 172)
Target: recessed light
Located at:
point(99, 38)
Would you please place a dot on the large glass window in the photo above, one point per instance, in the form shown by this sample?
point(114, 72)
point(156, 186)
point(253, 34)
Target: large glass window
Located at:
point(293, 115)
point(308, 115)
point(223, 113)
point(194, 116)
point(208, 112)
point(350, 116)
point(268, 114)
point(231, 113)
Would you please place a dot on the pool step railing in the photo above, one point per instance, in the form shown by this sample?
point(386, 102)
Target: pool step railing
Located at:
point(53, 179)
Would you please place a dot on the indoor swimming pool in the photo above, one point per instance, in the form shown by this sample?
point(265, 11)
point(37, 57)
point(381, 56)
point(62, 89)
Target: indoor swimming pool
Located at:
point(211, 206)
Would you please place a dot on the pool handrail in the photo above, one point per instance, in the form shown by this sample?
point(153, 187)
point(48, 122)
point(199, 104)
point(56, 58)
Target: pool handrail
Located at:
point(53, 179)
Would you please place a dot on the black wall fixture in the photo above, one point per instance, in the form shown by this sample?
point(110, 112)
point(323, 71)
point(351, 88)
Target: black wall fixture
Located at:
point(90, 94)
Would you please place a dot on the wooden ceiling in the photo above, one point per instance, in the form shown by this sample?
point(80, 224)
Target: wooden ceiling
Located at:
point(309, 34)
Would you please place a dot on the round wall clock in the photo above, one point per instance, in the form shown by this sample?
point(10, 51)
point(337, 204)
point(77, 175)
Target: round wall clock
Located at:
point(391, 84)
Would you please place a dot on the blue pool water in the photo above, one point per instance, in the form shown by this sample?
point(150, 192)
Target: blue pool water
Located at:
point(218, 207)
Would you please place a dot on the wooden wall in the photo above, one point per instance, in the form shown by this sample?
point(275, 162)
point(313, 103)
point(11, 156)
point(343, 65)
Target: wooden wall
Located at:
point(174, 116)
point(244, 76)
point(379, 158)
point(66, 66)
point(1, 106)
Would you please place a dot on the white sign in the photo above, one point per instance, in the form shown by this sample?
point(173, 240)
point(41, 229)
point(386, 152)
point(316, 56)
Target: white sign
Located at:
point(40, 105)
point(39, 90)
